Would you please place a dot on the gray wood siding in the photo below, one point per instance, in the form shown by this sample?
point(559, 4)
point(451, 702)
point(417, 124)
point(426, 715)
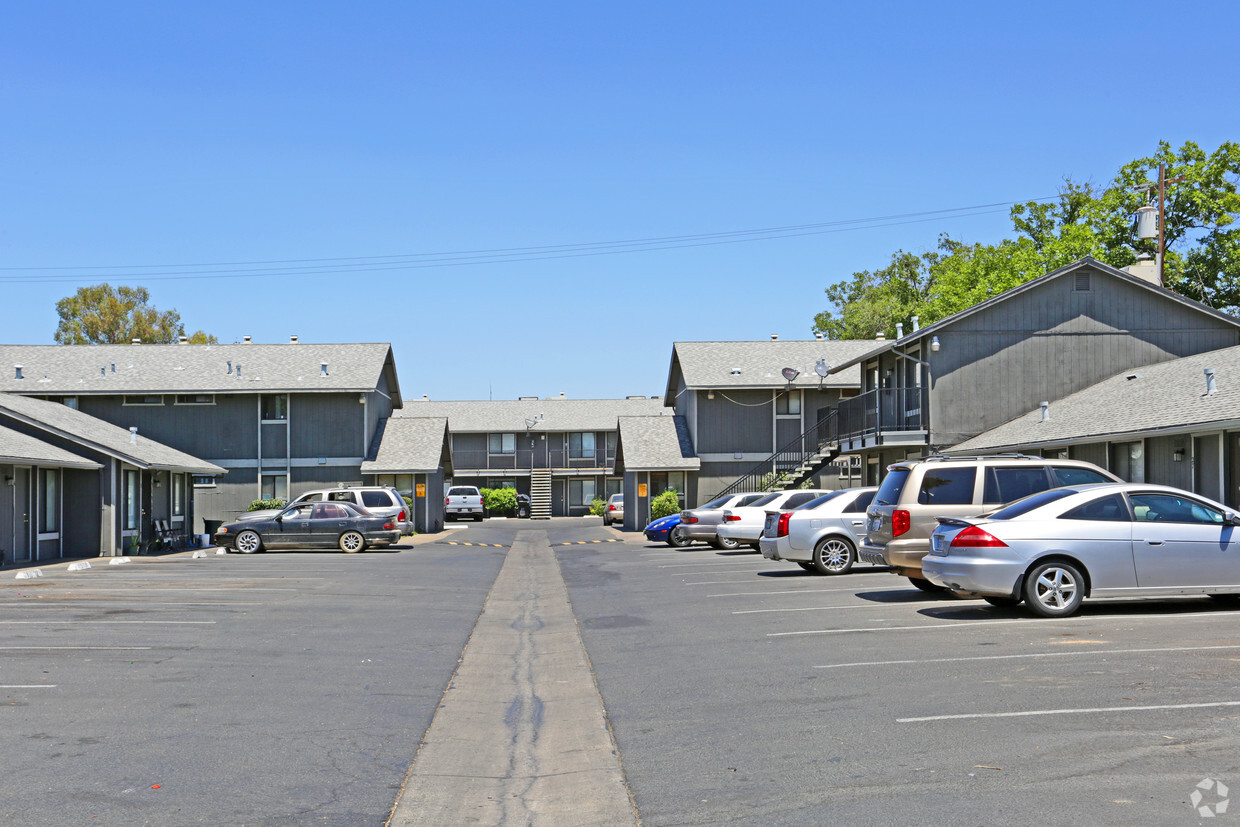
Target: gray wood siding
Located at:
point(1095, 452)
point(1050, 342)
point(1205, 461)
point(1160, 465)
point(231, 495)
point(326, 425)
point(226, 430)
point(735, 420)
point(323, 476)
point(275, 441)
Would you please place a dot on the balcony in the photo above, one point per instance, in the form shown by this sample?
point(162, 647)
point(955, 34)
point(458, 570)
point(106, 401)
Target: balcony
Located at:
point(886, 416)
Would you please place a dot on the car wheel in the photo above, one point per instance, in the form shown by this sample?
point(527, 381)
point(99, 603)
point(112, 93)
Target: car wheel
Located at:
point(834, 555)
point(677, 537)
point(352, 542)
point(1054, 589)
point(1002, 602)
point(925, 585)
point(724, 543)
point(248, 542)
point(479, 517)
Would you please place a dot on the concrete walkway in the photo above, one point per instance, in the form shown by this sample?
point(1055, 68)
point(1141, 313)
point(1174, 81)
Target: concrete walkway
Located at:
point(521, 736)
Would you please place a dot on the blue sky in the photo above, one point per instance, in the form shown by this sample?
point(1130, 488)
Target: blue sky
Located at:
point(139, 140)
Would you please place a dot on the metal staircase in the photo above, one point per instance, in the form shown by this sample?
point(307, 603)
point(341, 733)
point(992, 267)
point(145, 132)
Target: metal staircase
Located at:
point(794, 463)
point(540, 493)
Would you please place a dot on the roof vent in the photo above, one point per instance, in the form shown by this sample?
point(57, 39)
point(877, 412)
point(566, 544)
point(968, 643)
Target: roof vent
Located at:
point(182, 340)
point(230, 367)
point(527, 398)
point(882, 336)
point(916, 320)
point(103, 371)
point(561, 394)
point(133, 435)
point(1046, 411)
point(817, 335)
point(114, 367)
point(18, 368)
point(899, 330)
point(425, 398)
point(292, 340)
point(322, 368)
point(774, 337)
point(1132, 376)
point(247, 340)
point(643, 396)
point(1211, 387)
point(238, 370)
point(736, 371)
point(135, 341)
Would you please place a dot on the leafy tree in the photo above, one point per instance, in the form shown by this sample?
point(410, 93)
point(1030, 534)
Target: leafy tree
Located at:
point(102, 314)
point(1202, 246)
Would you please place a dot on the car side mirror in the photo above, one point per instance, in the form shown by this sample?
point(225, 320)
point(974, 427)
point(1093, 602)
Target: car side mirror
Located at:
point(279, 518)
point(1232, 520)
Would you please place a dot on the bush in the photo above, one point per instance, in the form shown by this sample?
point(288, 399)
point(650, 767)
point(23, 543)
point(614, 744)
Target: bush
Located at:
point(408, 503)
point(261, 505)
point(598, 506)
point(665, 504)
point(499, 502)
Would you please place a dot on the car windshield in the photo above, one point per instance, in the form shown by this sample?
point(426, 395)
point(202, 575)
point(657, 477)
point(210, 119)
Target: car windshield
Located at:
point(717, 503)
point(893, 484)
point(1022, 507)
point(769, 498)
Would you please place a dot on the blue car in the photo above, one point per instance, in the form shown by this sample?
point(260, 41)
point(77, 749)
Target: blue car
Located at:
point(664, 530)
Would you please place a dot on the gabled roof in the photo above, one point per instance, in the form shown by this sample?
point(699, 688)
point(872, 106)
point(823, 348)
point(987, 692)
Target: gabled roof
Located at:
point(409, 445)
point(1159, 397)
point(61, 420)
point(554, 414)
point(760, 364)
point(21, 449)
point(1033, 284)
point(654, 443)
point(132, 369)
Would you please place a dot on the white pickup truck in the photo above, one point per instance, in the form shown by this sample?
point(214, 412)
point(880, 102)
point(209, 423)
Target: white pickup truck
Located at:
point(463, 500)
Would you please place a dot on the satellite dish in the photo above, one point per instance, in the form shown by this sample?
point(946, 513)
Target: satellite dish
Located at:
point(790, 373)
point(822, 368)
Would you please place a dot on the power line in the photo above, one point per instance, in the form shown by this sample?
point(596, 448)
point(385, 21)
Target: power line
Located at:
point(460, 258)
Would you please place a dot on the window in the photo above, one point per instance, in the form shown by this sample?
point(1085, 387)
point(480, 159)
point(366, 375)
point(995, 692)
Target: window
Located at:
point(501, 443)
point(378, 499)
point(676, 481)
point(1004, 485)
point(1128, 460)
point(611, 437)
point(947, 486)
point(893, 484)
point(798, 499)
point(1069, 475)
point(401, 482)
point(788, 404)
point(581, 446)
point(178, 495)
point(195, 399)
point(1110, 509)
point(342, 496)
point(274, 407)
point(49, 500)
point(204, 481)
point(70, 402)
point(132, 501)
point(330, 511)
point(581, 492)
point(143, 400)
point(861, 504)
point(1170, 508)
point(275, 486)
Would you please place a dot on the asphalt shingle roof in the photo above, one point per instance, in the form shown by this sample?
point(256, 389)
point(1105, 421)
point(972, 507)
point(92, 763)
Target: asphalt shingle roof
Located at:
point(512, 416)
point(1167, 395)
point(655, 443)
point(88, 369)
point(95, 433)
point(20, 448)
point(716, 364)
point(408, 445)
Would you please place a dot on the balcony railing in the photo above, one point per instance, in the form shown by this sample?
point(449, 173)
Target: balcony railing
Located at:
point(885, 409)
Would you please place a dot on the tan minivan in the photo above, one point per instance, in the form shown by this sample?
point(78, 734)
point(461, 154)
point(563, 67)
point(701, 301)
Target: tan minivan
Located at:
point(915, 493)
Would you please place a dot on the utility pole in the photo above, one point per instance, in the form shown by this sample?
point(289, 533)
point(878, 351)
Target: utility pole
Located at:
point(1163, 181)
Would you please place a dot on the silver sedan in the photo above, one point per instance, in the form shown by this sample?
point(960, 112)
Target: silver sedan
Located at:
point(820, 536)
point(1053, 549)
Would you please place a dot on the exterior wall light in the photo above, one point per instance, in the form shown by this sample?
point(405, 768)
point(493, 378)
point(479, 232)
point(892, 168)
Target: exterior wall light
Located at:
point(1178, 455)
point(934, 344)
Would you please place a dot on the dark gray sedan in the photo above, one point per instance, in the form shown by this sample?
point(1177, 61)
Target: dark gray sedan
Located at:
point(310, 525)
point(1053, 549)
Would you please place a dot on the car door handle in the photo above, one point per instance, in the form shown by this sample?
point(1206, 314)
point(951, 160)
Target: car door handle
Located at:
point(1155, 542)
point(858, 522)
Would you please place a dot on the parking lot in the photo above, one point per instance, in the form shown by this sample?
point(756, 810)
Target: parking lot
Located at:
point(295, 688)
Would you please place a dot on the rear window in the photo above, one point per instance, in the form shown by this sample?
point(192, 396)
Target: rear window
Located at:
point(798, 499)
point(1005, 485)
point(462, 492)
point(376, 499)
point(764, 501)
point(825, 498)
point(748, 499)
point(1026, 505)
point(862, 503)
point(1071, 475)
point(893, 484)
point(341, 496)
point(947, 486)
point(1108, 509)
point(718, 503)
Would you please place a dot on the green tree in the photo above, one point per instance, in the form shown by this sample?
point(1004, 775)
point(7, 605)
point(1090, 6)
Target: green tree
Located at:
point(102, 314)
point(1202, 241)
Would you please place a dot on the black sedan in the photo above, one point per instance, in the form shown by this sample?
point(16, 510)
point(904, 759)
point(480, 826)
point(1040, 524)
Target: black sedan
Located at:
point(310, 525)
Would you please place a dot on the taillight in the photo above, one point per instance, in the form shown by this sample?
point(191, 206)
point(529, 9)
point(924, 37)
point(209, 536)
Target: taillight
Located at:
point(611, 508)
point(389, 526)
point(732, 518)
point(401, 518)
point(974, 537)
point(447, 501)
point(688, 519)
point(781, 530)
point(901, 522)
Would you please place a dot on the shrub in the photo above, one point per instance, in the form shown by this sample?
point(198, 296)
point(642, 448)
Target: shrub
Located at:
point(501, 502)
point(408, 503)
point(665, 504)
point(260, 505)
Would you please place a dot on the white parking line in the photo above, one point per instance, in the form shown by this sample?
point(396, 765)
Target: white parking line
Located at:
point(969, 624)
point(1033, 712)
point(74, 648)
point(719, 564)
point(109, 622)
point(28, 686)
point(1079, 652)
point(715, 571)
point(790, 591)
point(830, 608)
point(720, 582)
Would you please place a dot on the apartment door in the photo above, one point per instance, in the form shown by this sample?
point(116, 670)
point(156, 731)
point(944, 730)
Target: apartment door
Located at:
point(22, 512)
